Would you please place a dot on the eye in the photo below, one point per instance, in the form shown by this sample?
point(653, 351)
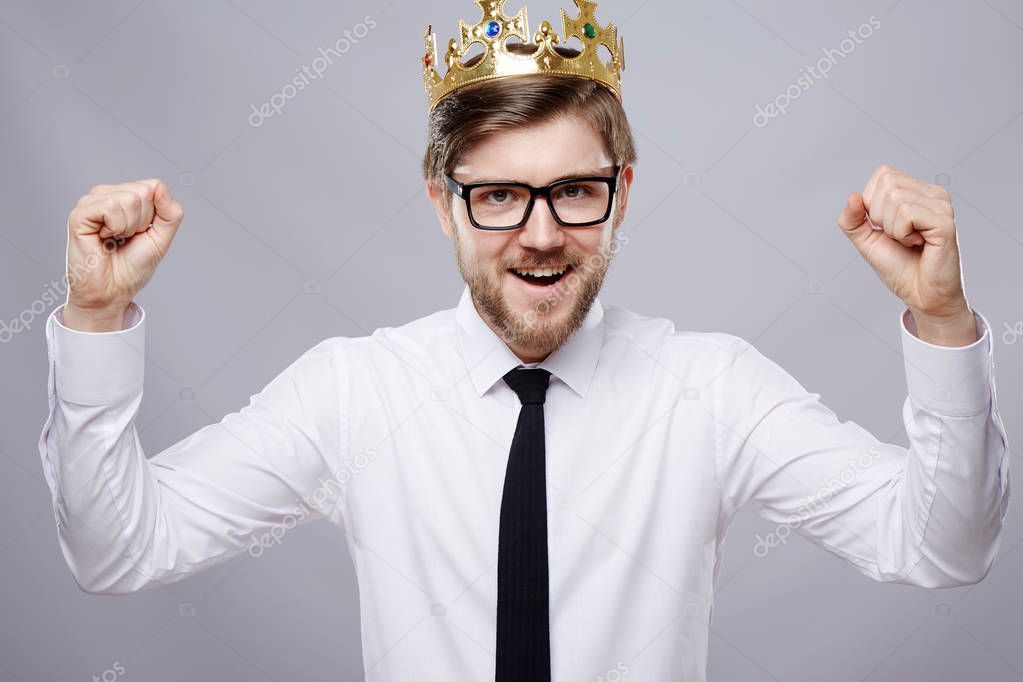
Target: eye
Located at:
point(498, 196)
point(574, 191)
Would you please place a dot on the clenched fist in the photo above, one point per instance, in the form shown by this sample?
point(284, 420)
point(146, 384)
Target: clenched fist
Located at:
point(117, 235)
point(914, 251)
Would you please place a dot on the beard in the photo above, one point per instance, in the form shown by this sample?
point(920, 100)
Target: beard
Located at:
point(551, 320)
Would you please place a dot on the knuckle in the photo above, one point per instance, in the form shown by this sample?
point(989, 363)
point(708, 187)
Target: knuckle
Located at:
point(113, 211)
point(938, 192)
point(900, 195)
point(121, 200)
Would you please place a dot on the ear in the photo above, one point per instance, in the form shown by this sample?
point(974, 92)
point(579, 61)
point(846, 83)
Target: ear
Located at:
point(624, 184)
point(436, 195)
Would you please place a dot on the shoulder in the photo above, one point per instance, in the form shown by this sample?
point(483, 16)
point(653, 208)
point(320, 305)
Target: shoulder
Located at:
point(715, 360)
point(661, 337)
point(412, 343)
point(723, 363)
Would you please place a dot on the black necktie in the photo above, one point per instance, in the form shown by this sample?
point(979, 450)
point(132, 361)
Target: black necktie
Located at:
point(523, 625)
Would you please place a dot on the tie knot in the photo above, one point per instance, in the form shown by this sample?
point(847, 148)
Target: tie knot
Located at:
point(530, 384)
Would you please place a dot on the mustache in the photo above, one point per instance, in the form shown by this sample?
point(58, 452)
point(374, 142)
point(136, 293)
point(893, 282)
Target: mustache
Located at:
point(543, 260)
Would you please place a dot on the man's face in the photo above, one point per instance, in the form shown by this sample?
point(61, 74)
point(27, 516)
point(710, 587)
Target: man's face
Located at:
point(534, 317)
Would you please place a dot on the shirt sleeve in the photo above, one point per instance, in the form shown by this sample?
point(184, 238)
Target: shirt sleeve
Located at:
point(126, 522)
point(929, 515)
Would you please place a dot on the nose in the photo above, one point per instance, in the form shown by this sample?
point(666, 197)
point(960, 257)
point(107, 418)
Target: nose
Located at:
point(541, 231)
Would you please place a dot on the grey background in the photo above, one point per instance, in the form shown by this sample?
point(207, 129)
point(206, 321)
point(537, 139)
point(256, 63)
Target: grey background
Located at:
point(315, 224)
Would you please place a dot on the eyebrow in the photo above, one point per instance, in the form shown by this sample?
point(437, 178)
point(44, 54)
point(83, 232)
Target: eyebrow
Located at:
point(588, 173)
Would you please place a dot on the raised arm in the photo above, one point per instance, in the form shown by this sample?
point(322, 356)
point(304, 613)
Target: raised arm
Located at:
point(930, 514)
point(126, 522)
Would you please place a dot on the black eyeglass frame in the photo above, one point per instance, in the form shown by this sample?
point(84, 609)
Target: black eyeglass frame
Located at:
point(464, 190)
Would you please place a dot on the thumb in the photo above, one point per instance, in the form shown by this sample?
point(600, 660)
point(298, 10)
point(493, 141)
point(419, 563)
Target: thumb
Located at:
point(167, 217)
point(853, 220)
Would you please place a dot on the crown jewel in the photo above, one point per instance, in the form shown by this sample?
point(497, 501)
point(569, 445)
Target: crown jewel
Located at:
point(495, 28)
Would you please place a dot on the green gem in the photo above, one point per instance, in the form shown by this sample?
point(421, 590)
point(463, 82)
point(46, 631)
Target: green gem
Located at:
point(590, 32)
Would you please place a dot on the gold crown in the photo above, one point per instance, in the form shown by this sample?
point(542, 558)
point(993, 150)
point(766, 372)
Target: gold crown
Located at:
point(495, 28)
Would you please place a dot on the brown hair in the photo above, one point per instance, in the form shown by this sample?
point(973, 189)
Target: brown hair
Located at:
point(466, 116)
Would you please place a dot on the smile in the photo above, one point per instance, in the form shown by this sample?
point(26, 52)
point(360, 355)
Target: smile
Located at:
point(541, 276)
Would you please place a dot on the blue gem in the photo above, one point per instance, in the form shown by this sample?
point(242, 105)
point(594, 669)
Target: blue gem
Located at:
point(493, 29)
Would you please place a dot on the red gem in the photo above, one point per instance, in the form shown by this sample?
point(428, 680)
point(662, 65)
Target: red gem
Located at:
point(426, 61)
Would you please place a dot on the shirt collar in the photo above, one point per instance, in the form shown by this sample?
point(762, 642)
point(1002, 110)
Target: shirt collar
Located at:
point(488, 358)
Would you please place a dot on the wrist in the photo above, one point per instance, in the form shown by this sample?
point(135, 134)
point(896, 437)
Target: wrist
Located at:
point(108, 319)
point(958, 329)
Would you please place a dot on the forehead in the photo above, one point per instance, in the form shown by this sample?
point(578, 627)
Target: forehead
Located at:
point(536, 153)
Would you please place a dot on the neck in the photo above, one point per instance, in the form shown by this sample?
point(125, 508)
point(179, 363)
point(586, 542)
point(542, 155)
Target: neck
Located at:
point(525, 354)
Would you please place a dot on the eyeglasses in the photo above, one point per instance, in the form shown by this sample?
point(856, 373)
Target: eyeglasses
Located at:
point(574, 202)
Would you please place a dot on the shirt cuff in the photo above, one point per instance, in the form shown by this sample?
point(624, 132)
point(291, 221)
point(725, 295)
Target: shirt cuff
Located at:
point(954, 381)
point(97, 368)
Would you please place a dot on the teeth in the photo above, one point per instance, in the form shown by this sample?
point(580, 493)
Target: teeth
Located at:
point(542, 272)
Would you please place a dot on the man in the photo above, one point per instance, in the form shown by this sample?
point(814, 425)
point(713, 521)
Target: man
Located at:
point(533, 486)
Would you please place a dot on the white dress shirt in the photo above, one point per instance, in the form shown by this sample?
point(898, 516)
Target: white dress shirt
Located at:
point(655, 438)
